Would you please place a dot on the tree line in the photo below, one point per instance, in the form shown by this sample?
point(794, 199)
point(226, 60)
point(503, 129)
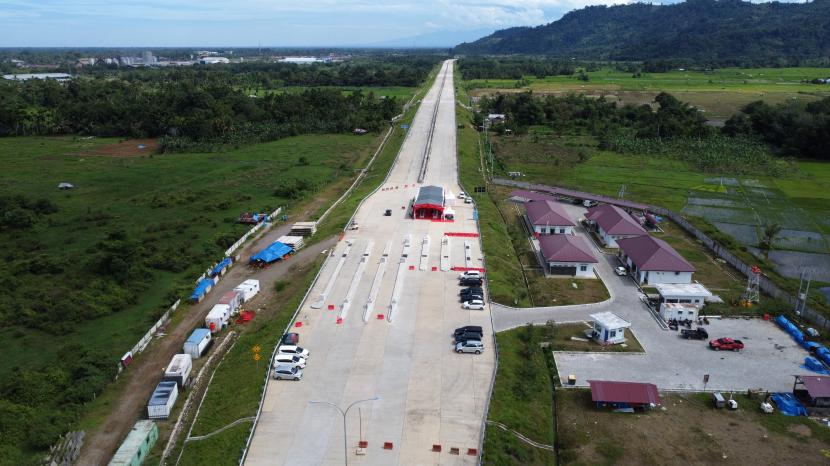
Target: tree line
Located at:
point(756, 138)
point(182, 110)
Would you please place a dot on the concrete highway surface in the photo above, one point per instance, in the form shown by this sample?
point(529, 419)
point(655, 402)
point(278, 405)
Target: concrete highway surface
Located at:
point(388, 283)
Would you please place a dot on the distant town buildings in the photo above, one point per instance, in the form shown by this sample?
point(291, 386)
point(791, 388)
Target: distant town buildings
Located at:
point(60, 77)
point(213, 60)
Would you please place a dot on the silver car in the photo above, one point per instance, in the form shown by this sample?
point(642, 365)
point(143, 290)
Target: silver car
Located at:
point(469, 346)
point(287, 372)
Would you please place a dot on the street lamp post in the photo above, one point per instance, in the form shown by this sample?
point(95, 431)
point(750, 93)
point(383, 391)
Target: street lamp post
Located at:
point(344, 413)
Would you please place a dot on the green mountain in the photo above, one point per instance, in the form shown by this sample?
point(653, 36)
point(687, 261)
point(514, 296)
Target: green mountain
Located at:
point(718, 31)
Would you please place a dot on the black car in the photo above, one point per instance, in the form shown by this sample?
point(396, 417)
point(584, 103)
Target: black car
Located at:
point(471, 291)
point(291, 339)
point(469, 329)
point(461, 337)
point(699, 333)
point(470, 282)
point(388, 213)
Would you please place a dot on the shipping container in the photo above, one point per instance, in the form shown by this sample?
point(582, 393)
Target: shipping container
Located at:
point(135, 448)
point(198, 343)
point(231, 298)
point(248, 289)
point(179, 370)
point(218, 317)
point(161, 402)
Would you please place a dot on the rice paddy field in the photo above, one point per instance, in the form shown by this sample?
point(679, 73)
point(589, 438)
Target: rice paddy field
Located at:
point(718, 93)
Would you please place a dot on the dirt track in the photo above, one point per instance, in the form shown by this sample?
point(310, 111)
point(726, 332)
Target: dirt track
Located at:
point(145, 372)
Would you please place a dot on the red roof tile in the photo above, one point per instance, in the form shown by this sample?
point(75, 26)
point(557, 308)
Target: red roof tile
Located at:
point(614, 221)
point(547, 213)
point(624, 392)
point(566, 248)
point(650, 253)
point(817, 386)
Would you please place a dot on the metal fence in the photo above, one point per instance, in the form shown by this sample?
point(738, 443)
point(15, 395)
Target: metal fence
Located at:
point(765, 284)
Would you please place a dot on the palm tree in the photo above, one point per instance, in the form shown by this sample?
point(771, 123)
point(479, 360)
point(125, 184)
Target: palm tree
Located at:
point(771, 230)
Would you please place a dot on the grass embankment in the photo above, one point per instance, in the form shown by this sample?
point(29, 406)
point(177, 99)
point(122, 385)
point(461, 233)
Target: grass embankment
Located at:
point(522, 399)
point(235, 392)
point(689, 431)
point(505, 280)
point(720, 93)
point(562, 341)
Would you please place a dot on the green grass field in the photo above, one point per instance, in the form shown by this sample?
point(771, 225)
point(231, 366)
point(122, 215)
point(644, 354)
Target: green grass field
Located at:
point(718, 93)
point(201, 194)
point(522, 400)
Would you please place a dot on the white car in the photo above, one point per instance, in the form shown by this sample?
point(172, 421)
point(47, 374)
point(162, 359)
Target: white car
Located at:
point(294, 351)
point(461, 195)
point(620, 271)
point(470, 274)
point(469, 346)
point(468, 200)
point(475, 304)
point(290, 360)
point(287, 372)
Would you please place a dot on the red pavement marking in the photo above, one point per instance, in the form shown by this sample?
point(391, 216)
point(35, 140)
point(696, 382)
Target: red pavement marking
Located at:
point(436, 448)
point(339, 320)
point(298, 324)
point(465, 235)
point(387, 445)
point(468, 269)
point(331, 307)
point(381, 317)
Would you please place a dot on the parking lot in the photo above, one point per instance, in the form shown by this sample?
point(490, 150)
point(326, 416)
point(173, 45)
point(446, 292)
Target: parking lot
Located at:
point(379, 323)
point(769, 360)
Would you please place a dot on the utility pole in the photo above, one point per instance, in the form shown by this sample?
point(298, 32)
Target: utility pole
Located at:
point(803, 291)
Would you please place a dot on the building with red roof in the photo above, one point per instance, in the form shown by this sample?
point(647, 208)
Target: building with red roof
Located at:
point(568, 255)
point(613, 223)
point(812, 390)
point(651, 260)
point(624, 394)
point(548, 217)
point(429, 203)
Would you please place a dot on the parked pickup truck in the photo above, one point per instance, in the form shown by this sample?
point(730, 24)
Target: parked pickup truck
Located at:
point(699, 333)
point(726, 344)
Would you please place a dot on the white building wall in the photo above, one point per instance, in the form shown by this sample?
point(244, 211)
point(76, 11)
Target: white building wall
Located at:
point(587, 273)
point(653, 277)
point(553, 229)
point(678, 312)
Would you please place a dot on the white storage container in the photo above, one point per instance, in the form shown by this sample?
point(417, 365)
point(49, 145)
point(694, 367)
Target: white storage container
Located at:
point(248, 289)
point(179, 369)
point(231, 298)
point(161, 402)
point(217, 318)
point(198, 343)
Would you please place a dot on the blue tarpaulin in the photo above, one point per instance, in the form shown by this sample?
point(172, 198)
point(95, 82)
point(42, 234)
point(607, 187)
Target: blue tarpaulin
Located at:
point(813, 364)
point(788, 404)
point(274, 252)
point(219, 267)
point(201, 288)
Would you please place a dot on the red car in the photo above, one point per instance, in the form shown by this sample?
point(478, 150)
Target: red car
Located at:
point(726, 344)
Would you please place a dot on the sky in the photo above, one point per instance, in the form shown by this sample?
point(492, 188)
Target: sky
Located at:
point(240, 23)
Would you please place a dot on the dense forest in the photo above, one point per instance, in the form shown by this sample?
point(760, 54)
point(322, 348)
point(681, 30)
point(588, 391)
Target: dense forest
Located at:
point(208, 106)
point(716, 32)
point(758, 138)
point(513, 67)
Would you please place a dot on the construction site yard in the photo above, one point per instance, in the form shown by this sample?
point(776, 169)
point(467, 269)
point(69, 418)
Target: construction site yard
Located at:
point(685, 430)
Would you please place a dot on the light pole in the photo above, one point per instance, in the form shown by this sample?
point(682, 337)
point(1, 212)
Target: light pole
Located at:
point(344, 413)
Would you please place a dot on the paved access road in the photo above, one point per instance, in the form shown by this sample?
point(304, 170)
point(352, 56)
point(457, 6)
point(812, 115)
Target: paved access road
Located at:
point(395, 339)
